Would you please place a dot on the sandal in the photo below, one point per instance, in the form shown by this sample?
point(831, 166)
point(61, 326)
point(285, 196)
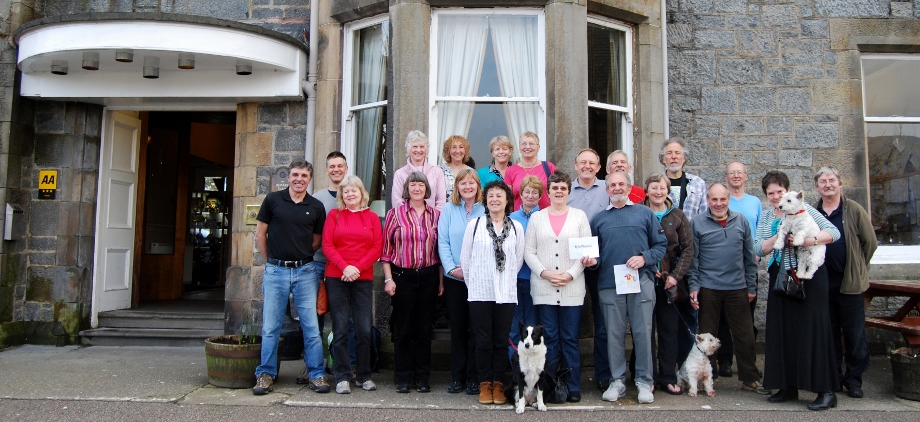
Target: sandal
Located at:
point(674, 390)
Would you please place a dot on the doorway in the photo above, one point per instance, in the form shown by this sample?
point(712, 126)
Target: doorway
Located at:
point(184, 206)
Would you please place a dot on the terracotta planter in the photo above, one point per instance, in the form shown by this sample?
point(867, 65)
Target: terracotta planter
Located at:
point(232, 365)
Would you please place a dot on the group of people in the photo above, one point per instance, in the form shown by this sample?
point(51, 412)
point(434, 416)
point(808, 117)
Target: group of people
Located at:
point(495, 244)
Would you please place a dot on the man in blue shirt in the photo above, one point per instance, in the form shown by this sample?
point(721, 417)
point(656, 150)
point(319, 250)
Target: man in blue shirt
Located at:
point(749, 206)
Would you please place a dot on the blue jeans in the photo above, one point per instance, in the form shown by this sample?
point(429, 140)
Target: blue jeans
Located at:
point(277, 286)
point(601, 361)
point(524, 312)
point(560, 329)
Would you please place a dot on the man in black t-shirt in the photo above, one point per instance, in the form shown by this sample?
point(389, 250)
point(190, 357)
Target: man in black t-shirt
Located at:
point(288, 231)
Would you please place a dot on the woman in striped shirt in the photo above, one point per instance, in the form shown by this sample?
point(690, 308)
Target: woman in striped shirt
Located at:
point(413, 279)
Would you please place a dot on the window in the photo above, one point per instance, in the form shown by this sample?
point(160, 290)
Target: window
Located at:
point(364, 101)
point(891, 86)
point(609, 89)
point(487, 77)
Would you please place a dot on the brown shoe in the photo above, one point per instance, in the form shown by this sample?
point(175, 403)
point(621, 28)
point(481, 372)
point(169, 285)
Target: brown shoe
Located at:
point(485, 392)
point(498, 393)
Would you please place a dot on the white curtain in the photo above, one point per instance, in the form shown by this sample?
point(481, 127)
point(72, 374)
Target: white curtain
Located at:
point(461, 51)
point(514, 39)
point(368, 86)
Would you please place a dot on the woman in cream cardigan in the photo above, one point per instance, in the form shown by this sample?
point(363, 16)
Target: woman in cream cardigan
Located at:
point(557, 283)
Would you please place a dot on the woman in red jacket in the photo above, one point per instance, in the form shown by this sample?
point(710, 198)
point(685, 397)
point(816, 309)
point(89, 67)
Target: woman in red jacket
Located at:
point(352, 242)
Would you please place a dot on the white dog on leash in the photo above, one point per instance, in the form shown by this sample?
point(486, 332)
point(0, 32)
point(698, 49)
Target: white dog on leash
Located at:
point(802, 226)
point(697, 368)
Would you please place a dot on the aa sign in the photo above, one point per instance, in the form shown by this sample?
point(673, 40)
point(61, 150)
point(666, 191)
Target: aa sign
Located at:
point(47, 184)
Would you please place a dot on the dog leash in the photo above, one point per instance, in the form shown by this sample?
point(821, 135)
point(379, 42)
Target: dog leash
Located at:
point(676, 309)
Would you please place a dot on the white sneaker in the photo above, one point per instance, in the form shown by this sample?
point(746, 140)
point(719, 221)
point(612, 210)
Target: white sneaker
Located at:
point(342, 388)
point(645, 393)
point(615, 391)
point(368, 386)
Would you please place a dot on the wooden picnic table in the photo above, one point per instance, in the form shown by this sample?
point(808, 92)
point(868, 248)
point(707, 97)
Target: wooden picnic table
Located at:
point(908, 326)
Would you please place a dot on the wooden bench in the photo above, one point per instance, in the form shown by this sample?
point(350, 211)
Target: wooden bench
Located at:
point(901, 322)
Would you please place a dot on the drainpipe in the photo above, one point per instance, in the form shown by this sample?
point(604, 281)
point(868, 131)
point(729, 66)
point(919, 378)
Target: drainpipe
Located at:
point(664, 66)
point(309, 85)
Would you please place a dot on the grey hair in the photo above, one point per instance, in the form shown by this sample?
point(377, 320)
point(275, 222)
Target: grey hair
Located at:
point(610, 157)
point(827, 170)
point(627, 175)
point(673, 140)
point(416, 137)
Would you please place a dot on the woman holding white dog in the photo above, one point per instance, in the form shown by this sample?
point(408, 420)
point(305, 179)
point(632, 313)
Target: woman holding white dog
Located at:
point(799, 349)
point(557, 282)
point(491, 255)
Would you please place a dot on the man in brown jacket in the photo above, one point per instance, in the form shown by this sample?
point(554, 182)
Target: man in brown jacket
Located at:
point(847, 262)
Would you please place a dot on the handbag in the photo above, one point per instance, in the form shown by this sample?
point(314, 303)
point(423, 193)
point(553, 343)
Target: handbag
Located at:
point(322, 300)
point(788, 283)
point(679, 293)
point(558, 392)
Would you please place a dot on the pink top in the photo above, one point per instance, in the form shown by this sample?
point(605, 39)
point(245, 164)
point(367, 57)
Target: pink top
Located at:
point(352, 238)
point(557, 221)
point(515, 174)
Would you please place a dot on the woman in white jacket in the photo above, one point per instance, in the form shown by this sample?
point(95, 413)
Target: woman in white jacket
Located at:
point(557, 282)
point(492, 254)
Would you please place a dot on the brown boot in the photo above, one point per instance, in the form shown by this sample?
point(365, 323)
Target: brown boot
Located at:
point(498, 393)
point(485, 392)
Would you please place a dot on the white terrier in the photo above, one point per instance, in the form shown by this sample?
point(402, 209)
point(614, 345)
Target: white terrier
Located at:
point(802, 226)
point(697, 367)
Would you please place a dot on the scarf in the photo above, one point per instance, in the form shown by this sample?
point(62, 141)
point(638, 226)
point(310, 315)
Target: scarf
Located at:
point(497, 241)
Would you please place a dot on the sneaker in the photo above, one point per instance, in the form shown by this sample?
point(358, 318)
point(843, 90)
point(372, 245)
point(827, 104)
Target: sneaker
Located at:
point(343, 387)
point(319, 385)
point(304, 377)
point(754, 386)
point(614, 391)
point(645, 393)
point(263, 385)
point(368, 386)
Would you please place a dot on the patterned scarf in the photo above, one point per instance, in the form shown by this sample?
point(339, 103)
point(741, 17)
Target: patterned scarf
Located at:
point(498, 240)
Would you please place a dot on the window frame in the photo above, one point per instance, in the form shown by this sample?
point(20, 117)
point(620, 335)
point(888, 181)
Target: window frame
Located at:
point(348, 145)
point(434, 153)
point(627, 142)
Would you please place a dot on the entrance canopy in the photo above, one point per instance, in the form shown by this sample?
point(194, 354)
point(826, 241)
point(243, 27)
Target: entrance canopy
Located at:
point(158, 61)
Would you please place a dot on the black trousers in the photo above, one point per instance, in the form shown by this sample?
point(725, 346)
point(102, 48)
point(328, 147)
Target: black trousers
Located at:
point(411, 322)
point(848, 319)
point(727, 350)
point(668, 327)
point(490, 325)
point(462, 363)
point(351, 301)
point(735, 303)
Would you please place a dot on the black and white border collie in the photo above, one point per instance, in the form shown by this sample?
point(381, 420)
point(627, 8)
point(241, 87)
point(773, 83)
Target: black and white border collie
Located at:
point(527, 364)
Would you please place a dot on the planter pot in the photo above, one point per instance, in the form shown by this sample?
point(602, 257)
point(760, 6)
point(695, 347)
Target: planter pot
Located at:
point(232, 365)
point(905, 371)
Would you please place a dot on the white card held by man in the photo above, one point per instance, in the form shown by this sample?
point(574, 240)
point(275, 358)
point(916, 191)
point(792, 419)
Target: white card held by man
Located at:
point(584, 246)
point(627, 279)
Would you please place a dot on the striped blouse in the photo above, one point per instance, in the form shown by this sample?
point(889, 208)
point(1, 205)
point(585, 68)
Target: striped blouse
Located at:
point(411, 240)
point(765, 230)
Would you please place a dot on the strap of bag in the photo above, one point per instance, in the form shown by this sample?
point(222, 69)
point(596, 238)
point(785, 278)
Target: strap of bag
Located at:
point(546, 171)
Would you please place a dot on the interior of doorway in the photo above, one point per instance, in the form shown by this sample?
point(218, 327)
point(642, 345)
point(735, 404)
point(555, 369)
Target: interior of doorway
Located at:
point(185, 190)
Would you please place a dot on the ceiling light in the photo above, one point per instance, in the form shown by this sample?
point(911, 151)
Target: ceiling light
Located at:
point(186, 61)
point(151, 67)
point(124, 56)
point(59, 67)
point(243, 68)
point(91, 61)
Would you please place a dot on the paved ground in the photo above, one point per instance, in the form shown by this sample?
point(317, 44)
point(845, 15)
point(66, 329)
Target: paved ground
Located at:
point(48, 381)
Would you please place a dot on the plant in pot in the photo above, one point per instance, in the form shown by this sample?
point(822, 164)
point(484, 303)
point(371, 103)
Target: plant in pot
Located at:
point(232, 359)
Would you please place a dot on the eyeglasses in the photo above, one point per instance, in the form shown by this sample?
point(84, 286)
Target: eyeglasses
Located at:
point(736, 173)
point(558, 188)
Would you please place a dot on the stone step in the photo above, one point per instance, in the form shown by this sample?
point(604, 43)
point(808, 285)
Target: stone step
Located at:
point(129, 318)
point(163, 337)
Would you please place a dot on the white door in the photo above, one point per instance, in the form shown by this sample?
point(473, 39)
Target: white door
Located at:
point(115, 213)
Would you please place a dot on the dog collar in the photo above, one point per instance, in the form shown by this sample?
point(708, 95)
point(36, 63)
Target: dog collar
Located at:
point(797, 212)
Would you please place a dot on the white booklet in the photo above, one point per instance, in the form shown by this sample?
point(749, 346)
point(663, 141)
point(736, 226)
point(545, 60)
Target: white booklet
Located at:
point(627, 279)
point(583, 246)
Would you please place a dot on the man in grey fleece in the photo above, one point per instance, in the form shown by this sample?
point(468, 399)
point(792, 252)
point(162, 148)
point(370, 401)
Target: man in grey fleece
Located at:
point(723, 275)
point(631, 235)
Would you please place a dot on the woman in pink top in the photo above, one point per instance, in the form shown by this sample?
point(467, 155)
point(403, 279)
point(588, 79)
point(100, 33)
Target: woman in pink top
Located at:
point(557, 282)
point(530, 165)
point(352, 242)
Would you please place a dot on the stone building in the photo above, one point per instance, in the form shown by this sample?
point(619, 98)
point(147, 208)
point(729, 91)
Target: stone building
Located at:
point(160, 156)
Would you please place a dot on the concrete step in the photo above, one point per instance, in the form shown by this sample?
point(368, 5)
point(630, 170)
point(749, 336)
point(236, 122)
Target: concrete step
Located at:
point(163, 337)
point(129, 318)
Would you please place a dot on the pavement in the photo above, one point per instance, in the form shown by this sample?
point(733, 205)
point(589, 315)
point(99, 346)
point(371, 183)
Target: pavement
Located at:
point(179, 376)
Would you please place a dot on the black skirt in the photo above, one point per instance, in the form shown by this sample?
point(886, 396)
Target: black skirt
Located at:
point(799, 348)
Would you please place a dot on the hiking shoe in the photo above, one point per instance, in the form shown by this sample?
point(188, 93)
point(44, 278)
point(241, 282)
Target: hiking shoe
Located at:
point(263, 385)
point(498, 393)
point(645, 393)
point(304, 377)
point(754, 386)
point(343, 388)
point(368, 386)
point(485, 393)
point(320, 385)
point(614, 391)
